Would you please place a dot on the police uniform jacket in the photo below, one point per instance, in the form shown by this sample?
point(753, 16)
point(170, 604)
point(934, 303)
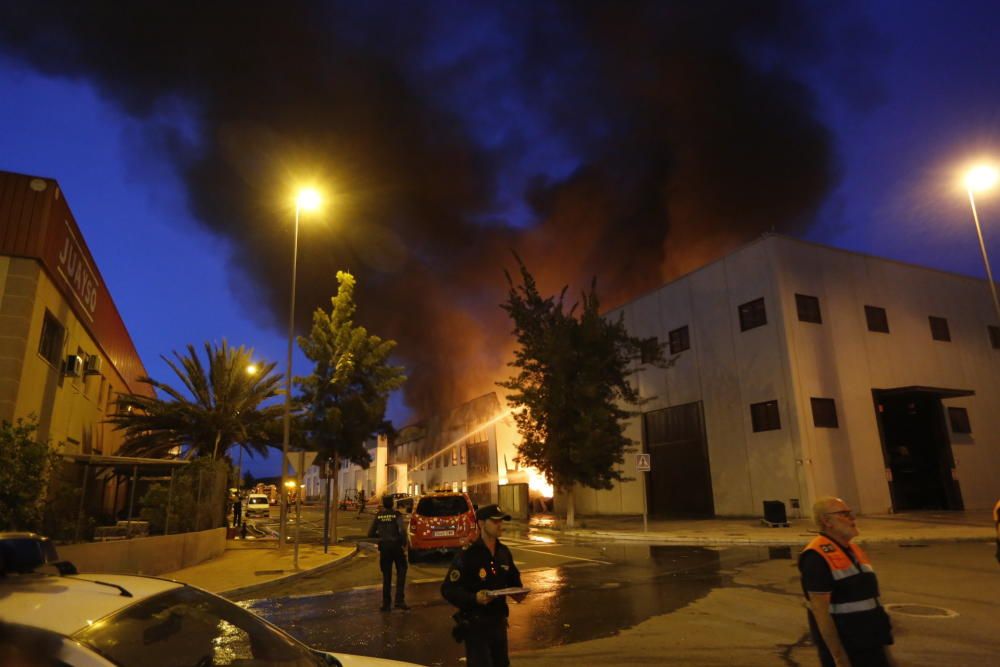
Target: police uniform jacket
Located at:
point(388, 527)
point(854, 597)
point(475, 569)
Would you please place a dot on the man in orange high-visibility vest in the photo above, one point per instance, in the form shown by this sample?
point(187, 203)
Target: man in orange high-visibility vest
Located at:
point(848, 624)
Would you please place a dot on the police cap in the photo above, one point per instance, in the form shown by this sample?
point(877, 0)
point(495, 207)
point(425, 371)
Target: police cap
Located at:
point(491, 512)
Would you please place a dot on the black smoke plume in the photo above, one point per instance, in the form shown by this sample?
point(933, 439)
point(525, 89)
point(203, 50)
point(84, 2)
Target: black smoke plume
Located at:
point(680, 130)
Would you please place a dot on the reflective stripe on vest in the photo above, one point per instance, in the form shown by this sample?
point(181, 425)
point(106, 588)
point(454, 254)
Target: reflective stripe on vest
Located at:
point(842, 567)
point(853, 607)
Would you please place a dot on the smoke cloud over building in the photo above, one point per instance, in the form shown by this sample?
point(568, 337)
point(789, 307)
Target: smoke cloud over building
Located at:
point(631, 141)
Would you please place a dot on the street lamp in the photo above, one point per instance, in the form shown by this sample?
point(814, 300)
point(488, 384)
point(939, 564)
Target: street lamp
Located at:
point(307, 199)
point(978, 179)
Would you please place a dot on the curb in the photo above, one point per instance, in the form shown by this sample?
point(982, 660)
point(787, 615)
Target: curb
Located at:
point(249, 588)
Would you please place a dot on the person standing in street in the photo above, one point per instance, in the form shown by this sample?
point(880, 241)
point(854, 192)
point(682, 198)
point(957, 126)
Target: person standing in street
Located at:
point(361, 502)
point(389, 526)
point(483, 566)
point(237, 511)
point(847, 622)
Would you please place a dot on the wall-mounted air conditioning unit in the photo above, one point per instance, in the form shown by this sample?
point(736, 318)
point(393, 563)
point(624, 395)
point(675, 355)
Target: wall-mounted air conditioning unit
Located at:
point(93, 365)
point(74, 365)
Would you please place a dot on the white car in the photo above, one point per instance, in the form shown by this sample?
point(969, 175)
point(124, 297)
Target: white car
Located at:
point(258, 505)
point(103, 620)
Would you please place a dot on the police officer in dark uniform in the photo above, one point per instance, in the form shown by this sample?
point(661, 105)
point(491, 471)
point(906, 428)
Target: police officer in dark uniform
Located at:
point(390, 529)
point(485, 565)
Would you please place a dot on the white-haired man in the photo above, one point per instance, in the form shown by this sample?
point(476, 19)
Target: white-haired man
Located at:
point(848, 624)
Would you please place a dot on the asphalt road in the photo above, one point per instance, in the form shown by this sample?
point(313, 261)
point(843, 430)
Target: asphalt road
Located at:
point(626, 604)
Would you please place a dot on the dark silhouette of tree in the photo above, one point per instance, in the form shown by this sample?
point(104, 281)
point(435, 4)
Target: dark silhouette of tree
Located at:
point(571, 393)
point(221, 407)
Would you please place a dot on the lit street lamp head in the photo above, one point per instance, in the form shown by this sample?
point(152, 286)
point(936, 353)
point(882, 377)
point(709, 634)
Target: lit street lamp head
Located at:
point(251, 369)
point(981, 177)
point(308, 199)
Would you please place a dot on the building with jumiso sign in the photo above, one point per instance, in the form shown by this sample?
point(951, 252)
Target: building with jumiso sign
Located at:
point(65, 354)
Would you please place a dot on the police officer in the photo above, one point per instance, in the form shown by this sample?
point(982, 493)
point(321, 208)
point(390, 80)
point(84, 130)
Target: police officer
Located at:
point(485, 565)
point(389, 527)
point(847, 622)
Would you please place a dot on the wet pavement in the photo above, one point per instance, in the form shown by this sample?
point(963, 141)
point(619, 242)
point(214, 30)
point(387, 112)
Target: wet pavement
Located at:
point(599, 594)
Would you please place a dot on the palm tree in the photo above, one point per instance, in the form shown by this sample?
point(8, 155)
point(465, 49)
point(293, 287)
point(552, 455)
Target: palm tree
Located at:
point(222, 407)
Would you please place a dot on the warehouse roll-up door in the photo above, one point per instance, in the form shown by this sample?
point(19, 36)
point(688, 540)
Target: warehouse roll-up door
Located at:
point(680, 481)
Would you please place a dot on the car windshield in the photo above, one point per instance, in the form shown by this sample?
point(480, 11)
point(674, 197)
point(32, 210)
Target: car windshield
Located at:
point(187, 627)
point(257, 501)
point(442, 506)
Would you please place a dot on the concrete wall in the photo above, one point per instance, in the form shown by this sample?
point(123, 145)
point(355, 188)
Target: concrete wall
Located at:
point(841, 359)
point(71, 410)
point(147, 555)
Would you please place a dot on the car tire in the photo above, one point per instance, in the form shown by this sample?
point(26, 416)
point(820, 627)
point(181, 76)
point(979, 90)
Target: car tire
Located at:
point(414, 555)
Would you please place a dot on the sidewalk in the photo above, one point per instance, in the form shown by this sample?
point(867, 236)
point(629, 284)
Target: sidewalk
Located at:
point(244, 566)
point(917, 527)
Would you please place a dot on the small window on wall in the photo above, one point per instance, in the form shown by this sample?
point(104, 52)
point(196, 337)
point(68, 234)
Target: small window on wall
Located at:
point(877, 319)
point(50, 346)
point(648, 349)
point(808, 307)
point(764, 416)
point(824, 412)
point(939, 328)
point(680, 340)
point(463, 453)
point(959, 418)
point(994, 337)
point(752, 314)
point(454, 456)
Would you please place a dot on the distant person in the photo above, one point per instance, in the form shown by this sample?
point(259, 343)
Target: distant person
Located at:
point(361, 501)
point(389, 526)
point(847, 622)
point(485, 565)
point(237, 512)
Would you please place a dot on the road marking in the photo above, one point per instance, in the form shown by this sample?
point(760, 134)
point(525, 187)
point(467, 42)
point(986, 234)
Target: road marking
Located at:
point(546, 553)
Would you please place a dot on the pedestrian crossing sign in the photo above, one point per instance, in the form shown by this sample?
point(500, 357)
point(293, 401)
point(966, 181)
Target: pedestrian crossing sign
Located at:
point(642, 462)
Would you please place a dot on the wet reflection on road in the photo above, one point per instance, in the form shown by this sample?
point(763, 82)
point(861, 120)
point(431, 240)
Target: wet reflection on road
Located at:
point(581, 600)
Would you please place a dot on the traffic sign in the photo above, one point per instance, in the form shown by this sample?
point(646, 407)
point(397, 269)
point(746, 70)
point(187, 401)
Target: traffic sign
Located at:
point(306, 459)
point(642, 462)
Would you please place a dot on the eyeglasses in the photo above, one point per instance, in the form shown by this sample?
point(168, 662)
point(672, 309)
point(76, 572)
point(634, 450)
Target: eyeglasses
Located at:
point(844, 513)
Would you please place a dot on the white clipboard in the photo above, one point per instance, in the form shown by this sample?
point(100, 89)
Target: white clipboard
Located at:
point(500, 592)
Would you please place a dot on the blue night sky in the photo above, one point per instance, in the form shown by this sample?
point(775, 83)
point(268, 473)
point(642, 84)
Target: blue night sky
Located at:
point(450, 132)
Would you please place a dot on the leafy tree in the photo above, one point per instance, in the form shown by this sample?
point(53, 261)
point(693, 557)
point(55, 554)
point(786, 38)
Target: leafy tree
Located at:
point(249, 481)
point(345, 398)
point(221, 407)
point(24, 475)
point(571, 391)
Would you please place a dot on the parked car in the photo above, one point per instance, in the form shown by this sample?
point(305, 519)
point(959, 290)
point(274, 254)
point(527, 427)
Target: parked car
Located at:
point(91, 620)
point(442, 522)
point(258, 504)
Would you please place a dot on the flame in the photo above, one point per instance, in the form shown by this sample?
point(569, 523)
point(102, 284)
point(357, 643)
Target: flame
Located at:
point(538, 483)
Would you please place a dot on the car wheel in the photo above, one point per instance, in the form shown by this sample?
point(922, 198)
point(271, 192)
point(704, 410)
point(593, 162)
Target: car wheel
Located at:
point(414, 555)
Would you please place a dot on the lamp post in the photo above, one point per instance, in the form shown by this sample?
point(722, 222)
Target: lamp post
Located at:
point(978, 179)
point(307, 200)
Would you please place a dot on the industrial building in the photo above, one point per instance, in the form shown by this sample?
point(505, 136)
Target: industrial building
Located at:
point(803, 370)
point(65, 354)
